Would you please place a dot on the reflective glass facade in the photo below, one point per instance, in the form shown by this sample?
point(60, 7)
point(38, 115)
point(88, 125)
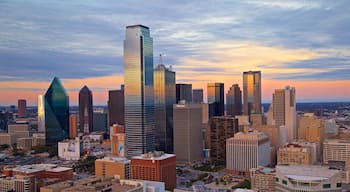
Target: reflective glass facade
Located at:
point(56, 113)
point(184, 93)
point(85, 110)
point(164, 98)
point(139, 101)
point(216, 99)
point(234, 100)
point(252, 92)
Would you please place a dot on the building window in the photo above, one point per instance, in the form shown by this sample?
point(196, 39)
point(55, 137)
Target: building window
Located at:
point(326, 186)
point(284, 182)
point(277, 179)
point(339, 185)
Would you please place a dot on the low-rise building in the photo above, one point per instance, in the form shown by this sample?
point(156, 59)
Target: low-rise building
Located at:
point(17, 183)
point(7, 139)
point(294, 154)
point(113, 167)
point(70, 149)
point(336, 150)
point(263, 179)
point(24, 143)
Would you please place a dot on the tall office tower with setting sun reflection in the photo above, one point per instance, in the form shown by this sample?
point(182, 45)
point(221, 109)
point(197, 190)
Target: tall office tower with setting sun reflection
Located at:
point(216, 104)
point(164, 98)
point(251, 92)
point(139, 100)
point(85, 110)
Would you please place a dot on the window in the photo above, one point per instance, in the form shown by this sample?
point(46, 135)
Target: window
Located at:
point(277, 179)
point(339, 185)
point(284, 182)
point(326, 186)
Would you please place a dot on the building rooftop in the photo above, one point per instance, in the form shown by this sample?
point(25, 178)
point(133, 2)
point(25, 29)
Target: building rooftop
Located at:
point(137, 25)
point(154, 156)
point(115, 159)
point(38, 167)
point(306, 172)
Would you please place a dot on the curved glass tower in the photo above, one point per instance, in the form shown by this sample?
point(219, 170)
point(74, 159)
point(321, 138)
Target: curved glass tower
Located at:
point(56, 113)
point(138, 77)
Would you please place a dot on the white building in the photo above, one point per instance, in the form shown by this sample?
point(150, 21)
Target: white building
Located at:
point(307, 178)
point(70, 149)
point(247, 150)
point(330, 127)
point(336, 150)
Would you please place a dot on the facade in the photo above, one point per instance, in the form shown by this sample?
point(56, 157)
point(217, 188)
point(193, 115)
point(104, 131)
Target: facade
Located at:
point(284, 110)
point(257, 119)
point(330, 127)
point(311, 128)
point(251, 92)
point(139, 98)
point(118, 144)
point(164, 98)
point(247, 150)
point(197, 96)
point(336, 150)
point(38, 139)
point(183, 92)
point(7, 139)
point(24, 143)
point(155, 166)
point(263, 179)
point(188, 143)
point(73, 126)
point(18, 130)
point(70, 149)
point(56, 113)
point(307, 178)
point(294, 154)
point(234, 101)
point(220, 129)
point(17, 183)
point(116, 106)
point(100, 122)
point(22, 108)
point(110, 167)
point(85, 110)
point(216, 99)
point(41, 113)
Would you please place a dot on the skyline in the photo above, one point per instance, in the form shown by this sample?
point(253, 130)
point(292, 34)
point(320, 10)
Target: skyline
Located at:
point(204, 43)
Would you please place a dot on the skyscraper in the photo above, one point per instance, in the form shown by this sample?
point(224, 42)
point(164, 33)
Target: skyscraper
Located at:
point(56, 113)
point(22, 108)
point(139, 100)
point(164, 98)
point(73, 130)
point(85, 110)
point(197, 95)
point(184, 92)
point(116, 106)
point(216, 99)
point(252, 92)
point(41, 113)
point(234, 100)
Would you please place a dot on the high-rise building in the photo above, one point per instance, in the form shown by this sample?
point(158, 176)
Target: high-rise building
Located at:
point(41, 113)
point(234, 100)
point(311, 128)
point(73, 129)
point(164, 98)
point(284, 110)
point(183, 92)
point(100, 122)
point(22, 108)
point(116, 106)
point(188, 144)
point(56, 113)
point(252, 92)
point(197, 95)
point(139, 99)
point(220, 129)
point(216, 99)
point(85, 110)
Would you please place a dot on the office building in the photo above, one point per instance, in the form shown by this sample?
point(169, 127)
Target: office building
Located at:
point(205, 113)
point(24, 143)
point(257, 119)
point(70, 149)
point(164, 98)
point(183, 92)
point(18, 183)
point(22, 108)
point(284, 111)
point(247, 150)
point(155, 166)
point(85, 110)
point(111, 167)
point(234, 101)
point(251, 92)
point(56, 113)
point(330, 127)
point(73, 126)
point(197, 95)
point(216, 99)
point(311, 128)
point(336, 150)
point(7, 139)
point(263, 179)
point(116, 106)
point(188, 144)
point(294, 154)
point(100, 122)
point(307, 178)
point(41, 114)
point(118, 144)
point(220, 129)
point(38, 139)
point(18, 130)
point(139, 98)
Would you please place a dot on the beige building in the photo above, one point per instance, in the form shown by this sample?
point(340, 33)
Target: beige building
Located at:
point(311, 128)
point(112, 167)
point(38, 139)
point(6, 138)
point(17, 183)
point(336, 150)
point(188, 144)
point(257, 119)
point(118, 144)
point(294, 154)
point(18, 130)
point(24, 143)
point(263, 179)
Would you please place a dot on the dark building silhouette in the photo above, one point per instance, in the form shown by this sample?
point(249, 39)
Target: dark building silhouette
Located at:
point(184, 92)
point(100, 122)
point(234, 100)
point(85, 110)
point(22, 108)
point(197, 95)
point(116, 106)
point(216, 99)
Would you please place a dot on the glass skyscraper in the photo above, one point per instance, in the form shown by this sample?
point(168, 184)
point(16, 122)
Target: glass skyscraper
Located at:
point(139, 100)
point(164, 98)
point(85, 110)
point(183, 92)
point(56, 113)
point(252, 92)
point(234, 101)
point(216, 99)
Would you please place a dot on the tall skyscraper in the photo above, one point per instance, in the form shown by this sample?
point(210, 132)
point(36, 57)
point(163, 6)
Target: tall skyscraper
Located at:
point(197, 95)
point(184, 92)
point(22, 108)
point(216, 99)
point(284, 110)
point(164, 98)
point(85, 110)
point(41, 113)
point(56, 113)
point(139, 99)
point(252, 92)
point(234, 100)
point(116, 106)
point(73, 122)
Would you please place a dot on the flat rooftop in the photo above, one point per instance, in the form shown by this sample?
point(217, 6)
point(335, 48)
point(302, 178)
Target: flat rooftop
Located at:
point(162, 157)
point(115, 159)
point(306, 172)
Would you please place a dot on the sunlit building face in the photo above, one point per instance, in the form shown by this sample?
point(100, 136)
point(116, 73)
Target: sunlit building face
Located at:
point(216, 99)
point(252, 92)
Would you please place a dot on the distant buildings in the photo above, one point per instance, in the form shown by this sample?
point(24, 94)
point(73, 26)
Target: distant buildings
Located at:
point(85, 110)
point(110, 167)
point(311, 128)
point(251, 92)
point(22, 108)
point(17, 183)
point(100, 121)
point(216, 99)
point(234, 100)
point(139, 100)
point(116, 106)
point(183, 92)
point(197, 95)
point(263, 179)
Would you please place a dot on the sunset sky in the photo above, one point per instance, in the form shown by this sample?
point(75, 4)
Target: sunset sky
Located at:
point(305, 44)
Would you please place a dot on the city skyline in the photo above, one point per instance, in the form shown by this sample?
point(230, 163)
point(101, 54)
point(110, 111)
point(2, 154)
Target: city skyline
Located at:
point(202, 44)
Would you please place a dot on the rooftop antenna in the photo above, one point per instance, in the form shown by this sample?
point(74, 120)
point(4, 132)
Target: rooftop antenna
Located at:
point(160, 59)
